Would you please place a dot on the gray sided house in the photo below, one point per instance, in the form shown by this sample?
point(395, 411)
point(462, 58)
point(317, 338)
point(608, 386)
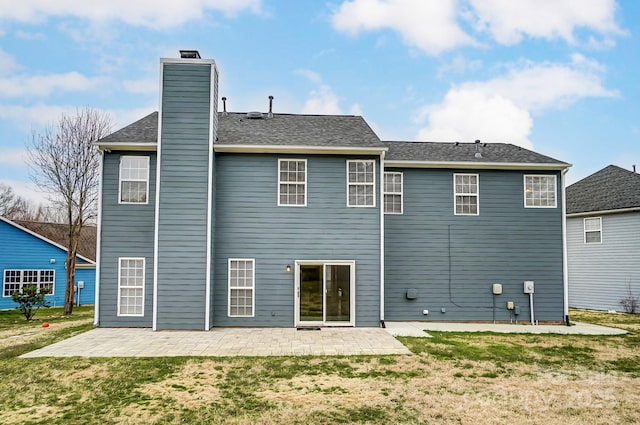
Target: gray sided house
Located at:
point(603, 236)
point(215, 218)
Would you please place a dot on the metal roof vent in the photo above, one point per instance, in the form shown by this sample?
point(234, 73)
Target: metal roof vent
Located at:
point(189, 54)
point(478, 153)
point(254, 115)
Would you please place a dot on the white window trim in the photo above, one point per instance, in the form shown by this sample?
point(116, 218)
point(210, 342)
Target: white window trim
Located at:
point(53, 282)
point(401, 193)
point(584, 228)
point(456, 194)
point(120, 201)
point(372, 184)
point(555, 190)
point(144, 284)
point(253, 288)
point(281, 160)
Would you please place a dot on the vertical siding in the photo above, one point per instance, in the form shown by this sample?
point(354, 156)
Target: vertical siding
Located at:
point(599, 273)
point(126, 231)
point(249, 224)
point(183, 201)
point(452, 261)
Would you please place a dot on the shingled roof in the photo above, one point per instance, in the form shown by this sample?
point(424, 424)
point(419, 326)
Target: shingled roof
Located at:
point(58, 233)
point(280, 130)
point(612, 188)
point(466, 152)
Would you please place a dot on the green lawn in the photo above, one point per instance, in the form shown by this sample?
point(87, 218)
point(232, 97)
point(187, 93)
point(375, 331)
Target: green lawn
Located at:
point(453, 378)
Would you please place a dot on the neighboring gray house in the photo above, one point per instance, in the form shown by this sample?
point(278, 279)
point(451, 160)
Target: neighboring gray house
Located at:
point(247, 219)
point(603, 236)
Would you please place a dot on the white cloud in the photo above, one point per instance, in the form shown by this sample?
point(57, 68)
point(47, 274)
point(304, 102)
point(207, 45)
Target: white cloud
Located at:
point(429, 25)
point(322, 101)
point(312, 76)
point(28, 191)
point(508, 21)
point(141, 86)
point(27, 118)
point(13, 157)
point(44, 85)
point(146, 13)
point(499, 110)
point(8, 63)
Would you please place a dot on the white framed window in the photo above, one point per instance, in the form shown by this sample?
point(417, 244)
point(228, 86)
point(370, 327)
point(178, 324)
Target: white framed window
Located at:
point(361, 183)
point(134, 180)
point(466, 189)
point(15, 280)
point(593, 230)
point(393, 193)
point(540, 191)
point(292, 182)
point(241, 287)
point(131, 273)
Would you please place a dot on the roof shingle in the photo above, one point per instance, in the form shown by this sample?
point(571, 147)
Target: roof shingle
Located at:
point(58, 233)
point(611, 188)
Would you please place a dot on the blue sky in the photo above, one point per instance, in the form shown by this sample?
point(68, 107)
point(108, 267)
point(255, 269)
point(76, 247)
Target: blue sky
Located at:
point(557, 76)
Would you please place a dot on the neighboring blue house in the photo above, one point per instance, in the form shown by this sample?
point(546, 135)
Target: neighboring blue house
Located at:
point(247, 219)
point(603, 237)
point(35, 252)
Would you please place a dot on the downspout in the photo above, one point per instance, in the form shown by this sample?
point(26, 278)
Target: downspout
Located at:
point(96, 310)
point(210, 191)
point(154, 325)
point(382, 155)
point(565, 261)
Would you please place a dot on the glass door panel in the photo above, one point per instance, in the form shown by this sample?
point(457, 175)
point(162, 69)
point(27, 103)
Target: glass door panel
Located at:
point(338, 293)
point(311, 302)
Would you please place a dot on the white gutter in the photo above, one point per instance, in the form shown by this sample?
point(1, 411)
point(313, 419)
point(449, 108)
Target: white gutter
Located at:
point(299, 149)
point(604, 212)
point(96, 302)
point(382, 165)
point(477, 165)
point(131, 146)
point(565, 260)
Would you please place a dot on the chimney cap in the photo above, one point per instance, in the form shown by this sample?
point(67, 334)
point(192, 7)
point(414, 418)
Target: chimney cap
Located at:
point(189, 54)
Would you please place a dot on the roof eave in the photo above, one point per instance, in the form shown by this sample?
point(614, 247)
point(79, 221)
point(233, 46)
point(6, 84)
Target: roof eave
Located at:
point(604, 212)
point(326, 150)
point(477, 165)
point(126, 146)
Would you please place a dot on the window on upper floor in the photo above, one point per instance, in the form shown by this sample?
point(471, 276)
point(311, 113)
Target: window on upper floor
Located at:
point(15, 280)
point(392, 193)
point(540, 191)
point(292, 182)
point(361, 183)
point(593, 230)
point(134, 179)
point(466, 194)
point(241, 287)
point(131, 286)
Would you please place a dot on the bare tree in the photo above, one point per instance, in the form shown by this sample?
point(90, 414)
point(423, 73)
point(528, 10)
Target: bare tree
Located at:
point(15, 207)
point(65, 163)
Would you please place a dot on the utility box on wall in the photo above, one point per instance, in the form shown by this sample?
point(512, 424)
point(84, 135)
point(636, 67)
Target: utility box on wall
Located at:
point(412, 294)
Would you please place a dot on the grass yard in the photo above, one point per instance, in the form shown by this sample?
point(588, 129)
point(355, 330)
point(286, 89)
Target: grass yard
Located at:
point(453, 378)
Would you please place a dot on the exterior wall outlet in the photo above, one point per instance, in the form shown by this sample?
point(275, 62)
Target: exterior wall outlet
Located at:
point(496, 289)
point(425, 312)
point(510, 305)
point(443, 310)
point(80, 284)
point(528, 286)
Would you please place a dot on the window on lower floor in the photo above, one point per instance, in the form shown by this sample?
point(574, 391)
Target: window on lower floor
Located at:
point(593, 230)
point(392, 193)
point(540, 191)
point(134, 179)
point(292, 182)
point(131, 286)
point(241, 287)
point(361, 182)
point(466, 189)
point(14, 280)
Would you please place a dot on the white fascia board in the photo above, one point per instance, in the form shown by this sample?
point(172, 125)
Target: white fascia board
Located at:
point(39, 236)
point(339, 150)
point(189, 61)
point(127, 146)
point(476, 165)
point(604, 212)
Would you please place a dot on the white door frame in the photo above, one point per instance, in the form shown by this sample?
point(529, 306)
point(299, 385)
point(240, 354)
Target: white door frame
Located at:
point(352, 290)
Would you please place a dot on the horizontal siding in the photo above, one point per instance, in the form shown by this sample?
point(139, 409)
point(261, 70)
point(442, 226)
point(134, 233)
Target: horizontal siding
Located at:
point(599, 273)
point(452, 261)
point(249, 224)
point(126, 231)
point(184, 170)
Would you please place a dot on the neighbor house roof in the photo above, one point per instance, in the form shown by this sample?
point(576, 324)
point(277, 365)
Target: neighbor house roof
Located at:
point(471, 154)
point(58, 233)
point(285, 130)
point(612, 188)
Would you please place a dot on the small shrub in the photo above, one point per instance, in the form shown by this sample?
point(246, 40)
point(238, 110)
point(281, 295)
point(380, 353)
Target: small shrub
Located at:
point(630, 301)
point(29, 300)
